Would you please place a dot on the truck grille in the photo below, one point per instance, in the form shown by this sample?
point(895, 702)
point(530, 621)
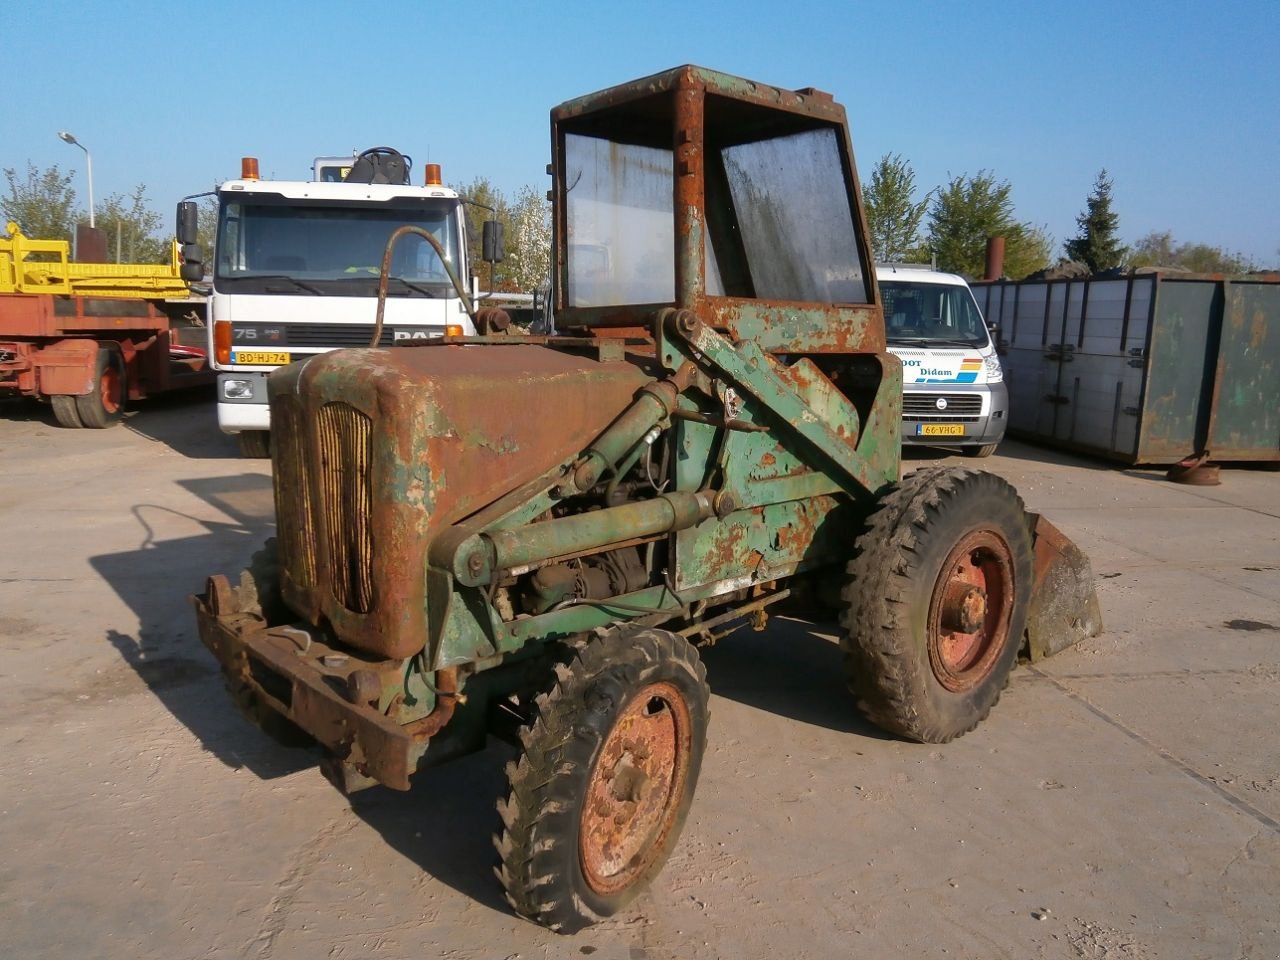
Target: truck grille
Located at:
point(293, 493)
point(965, 407)
point(343, 435)
point(325, 335)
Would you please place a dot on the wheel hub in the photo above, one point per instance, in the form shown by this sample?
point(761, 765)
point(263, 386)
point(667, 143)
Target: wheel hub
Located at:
point(635, 789)
point(109, 389)
point(970, 610)
point(963, 607)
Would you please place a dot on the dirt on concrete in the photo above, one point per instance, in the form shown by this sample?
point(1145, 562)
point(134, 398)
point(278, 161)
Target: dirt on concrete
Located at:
point(1122, 801)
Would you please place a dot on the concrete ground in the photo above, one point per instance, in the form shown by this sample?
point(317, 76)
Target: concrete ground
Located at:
point(1123, 800)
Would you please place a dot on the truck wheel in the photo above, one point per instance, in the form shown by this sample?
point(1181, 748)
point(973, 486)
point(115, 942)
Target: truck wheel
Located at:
point(936, 602)
point(255, 444)
point(605, 777)
point(64, 411)
point(104, 405)
point(986, 450)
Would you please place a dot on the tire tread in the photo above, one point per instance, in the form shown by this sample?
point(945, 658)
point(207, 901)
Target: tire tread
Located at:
point(877, 601)
point(538, 814)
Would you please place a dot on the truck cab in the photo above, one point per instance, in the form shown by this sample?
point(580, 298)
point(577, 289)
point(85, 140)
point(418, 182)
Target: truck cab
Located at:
point(296, 271)
point(953, 390)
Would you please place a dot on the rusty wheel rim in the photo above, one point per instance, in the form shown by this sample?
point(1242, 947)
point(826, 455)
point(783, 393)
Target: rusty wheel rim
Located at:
point(634, 794)
point(970, 610)
point(109, 388)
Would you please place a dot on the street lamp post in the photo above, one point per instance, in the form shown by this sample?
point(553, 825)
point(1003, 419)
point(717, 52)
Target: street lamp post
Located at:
point(88, 159)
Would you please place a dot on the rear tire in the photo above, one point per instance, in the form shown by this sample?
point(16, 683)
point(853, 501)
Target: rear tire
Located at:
point(104, 405)
point(64, 411)
point(936, 602)
point(605, 778)
point(254, 444)
point(985, 450)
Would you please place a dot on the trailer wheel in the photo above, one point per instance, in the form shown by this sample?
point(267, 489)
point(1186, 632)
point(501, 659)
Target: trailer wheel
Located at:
point(254, 444)
point(936, 602)
point(64, 411)
point(104, 405)
point(605, 777)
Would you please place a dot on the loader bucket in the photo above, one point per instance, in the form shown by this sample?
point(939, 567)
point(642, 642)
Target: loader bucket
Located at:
point(1064, 603)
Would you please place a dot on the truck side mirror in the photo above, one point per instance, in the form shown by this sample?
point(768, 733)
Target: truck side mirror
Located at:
point(192, 268)
point(188, 218)
point(491, 242)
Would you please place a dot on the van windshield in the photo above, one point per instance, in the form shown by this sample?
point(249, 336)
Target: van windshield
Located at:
point(933, 313)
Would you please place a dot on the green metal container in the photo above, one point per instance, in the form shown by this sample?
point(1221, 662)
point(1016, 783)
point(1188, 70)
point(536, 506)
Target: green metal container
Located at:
point(1147, 368)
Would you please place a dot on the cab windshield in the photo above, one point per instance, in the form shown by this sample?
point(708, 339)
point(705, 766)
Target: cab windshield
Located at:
point(277, 245)
point(931, 314)
point(778, 222)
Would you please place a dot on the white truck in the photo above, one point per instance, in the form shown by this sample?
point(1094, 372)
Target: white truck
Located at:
point(296, 269)
point(953, 390)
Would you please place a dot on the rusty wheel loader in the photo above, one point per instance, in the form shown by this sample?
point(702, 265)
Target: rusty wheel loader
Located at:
point(529, 536)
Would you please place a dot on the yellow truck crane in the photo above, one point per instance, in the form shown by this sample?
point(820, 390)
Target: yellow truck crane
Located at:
point(88, 337)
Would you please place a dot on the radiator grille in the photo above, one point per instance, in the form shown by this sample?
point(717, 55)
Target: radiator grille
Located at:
point(348, 334)
point(293, 492)
point(343, 436)
point(924, 406)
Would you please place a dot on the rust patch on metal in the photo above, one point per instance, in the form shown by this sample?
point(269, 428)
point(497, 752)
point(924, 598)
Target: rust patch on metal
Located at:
point(1064, 603)
point(1195, 471)
point(296, 674)
point(970, 610)
point(443, 445)
point(446, 702)
point(633, 796)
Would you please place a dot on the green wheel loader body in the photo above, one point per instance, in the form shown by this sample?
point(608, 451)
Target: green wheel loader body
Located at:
point(707, 435)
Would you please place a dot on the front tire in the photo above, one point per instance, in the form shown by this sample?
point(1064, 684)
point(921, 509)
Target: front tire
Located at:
point(986, 450)
point(606, 775)
point(936, 602)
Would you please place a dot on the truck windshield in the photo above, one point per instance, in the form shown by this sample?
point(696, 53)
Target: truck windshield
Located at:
point(332, 248)
point(931, 313)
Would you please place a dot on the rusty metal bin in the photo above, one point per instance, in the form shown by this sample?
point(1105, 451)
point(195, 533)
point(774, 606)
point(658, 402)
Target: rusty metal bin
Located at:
point(1148, 368)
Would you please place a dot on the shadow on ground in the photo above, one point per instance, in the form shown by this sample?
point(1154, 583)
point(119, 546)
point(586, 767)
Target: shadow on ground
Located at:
point(186, 421)
point(155, 580)
point(915, 457)
point(26, 410)
point(446, 822)
point(790, 670)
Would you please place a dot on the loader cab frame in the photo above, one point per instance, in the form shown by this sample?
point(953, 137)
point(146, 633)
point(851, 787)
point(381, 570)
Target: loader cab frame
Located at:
point(738, 202)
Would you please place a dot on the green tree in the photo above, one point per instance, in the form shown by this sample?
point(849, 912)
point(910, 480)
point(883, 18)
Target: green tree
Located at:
point(1159, 249)
point(528, 261)
point(42, 203)
point(893, 216)
point(526, 227)
point(487, 202)
point(970, 210)
point(134, 232)
point(207, 228)
point(1097, 245)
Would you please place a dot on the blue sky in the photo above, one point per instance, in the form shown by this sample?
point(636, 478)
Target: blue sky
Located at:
point(1177, 100)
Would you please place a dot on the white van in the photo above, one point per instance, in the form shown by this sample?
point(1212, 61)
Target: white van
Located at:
point(953, 391)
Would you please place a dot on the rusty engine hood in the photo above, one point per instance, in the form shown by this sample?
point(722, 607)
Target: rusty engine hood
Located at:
point(376, 451)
